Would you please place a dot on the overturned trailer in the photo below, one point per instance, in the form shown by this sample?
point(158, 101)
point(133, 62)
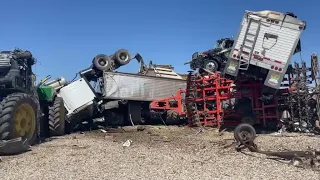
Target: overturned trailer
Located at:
point(139, 87)
point(120, 98)
point(136, 91)
point(264, 46)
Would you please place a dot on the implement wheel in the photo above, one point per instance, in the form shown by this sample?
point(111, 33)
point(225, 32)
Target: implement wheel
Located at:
point(244, 133)
point(19, 117)
point(57, 118)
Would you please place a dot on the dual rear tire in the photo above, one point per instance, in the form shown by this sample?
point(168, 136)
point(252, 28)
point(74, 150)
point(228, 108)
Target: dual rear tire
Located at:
point(103, 62)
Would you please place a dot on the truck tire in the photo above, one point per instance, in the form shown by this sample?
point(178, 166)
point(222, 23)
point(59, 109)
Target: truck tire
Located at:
point(102, 62)
point(20, 117)
point(122, 57)
point(211, 65)
point(57, 118)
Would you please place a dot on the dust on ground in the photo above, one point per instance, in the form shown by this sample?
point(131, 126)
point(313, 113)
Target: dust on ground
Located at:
point(156, 152)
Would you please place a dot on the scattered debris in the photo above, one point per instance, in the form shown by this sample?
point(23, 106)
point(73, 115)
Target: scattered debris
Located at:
point(127, 143)
point(165, 139)
point(301, 101)
point(102, 130)
point(245, 135)
point(222, 131)
point(201, 130)
point(140, 128)
point(14, 146)
point(75, 146)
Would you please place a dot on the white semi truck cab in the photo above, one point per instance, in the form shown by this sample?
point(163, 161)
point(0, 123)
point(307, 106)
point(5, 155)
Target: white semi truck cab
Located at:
point(264, 46)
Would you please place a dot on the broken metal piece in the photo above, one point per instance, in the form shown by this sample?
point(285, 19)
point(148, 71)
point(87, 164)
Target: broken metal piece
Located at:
point(243, 135)
point(301, 102)
point(14, 146)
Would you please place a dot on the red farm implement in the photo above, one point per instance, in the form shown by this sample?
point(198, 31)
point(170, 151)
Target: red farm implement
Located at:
point(212, 100)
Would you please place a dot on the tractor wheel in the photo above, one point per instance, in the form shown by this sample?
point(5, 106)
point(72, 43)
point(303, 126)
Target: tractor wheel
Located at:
point(122, 57)
point(102, 62)
point(211, 65)
point(57, 118)
point(20, 117)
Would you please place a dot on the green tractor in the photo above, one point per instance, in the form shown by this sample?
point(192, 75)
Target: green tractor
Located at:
point(27, 111)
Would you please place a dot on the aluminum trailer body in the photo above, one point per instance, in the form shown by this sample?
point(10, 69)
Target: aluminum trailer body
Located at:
point(267, 40)
point(83, 102)
point(135, 87)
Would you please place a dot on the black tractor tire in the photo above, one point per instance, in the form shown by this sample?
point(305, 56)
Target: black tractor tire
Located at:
point(244, 129)
point(57, 118)
point(172, 118)
point(20, 112)
point(122, 57)
point(211, 65)
point(102, 62)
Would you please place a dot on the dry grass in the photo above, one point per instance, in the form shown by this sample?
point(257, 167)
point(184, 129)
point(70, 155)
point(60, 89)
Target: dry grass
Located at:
point(156, 153)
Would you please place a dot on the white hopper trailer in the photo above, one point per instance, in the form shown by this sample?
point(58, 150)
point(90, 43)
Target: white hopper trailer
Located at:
point(264, 46)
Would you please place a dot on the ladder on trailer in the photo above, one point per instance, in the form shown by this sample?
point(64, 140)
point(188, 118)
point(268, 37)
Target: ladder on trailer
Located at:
point(249, 42)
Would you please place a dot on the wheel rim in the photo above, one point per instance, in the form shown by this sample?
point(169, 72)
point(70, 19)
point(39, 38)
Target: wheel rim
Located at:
point(24, 121)
point(210, 66)
point(103, 62)
point(123, 56)
point(245, 136)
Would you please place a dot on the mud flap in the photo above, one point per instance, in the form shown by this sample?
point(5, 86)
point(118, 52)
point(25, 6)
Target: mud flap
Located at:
point(14, 146)
point(274, 79)
point(231, 67)
point(134, 112)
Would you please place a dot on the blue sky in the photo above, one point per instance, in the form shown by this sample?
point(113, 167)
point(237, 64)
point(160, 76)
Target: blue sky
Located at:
point(64, 35)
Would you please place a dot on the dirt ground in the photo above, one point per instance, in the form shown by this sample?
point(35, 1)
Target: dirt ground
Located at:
point(157, 152)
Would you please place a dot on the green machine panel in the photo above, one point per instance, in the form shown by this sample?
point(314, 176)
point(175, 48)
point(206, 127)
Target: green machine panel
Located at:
point(45, 93)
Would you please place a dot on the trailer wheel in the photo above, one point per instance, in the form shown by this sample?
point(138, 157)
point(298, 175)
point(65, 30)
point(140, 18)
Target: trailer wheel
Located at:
point(172, 117)
point(211, 65)
point(57, 118)
point(102, 62)
point(20, 117)
point(122, 57)
point(244, 133)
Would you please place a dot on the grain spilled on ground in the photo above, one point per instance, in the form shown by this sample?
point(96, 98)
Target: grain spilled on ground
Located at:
point(157, 152)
